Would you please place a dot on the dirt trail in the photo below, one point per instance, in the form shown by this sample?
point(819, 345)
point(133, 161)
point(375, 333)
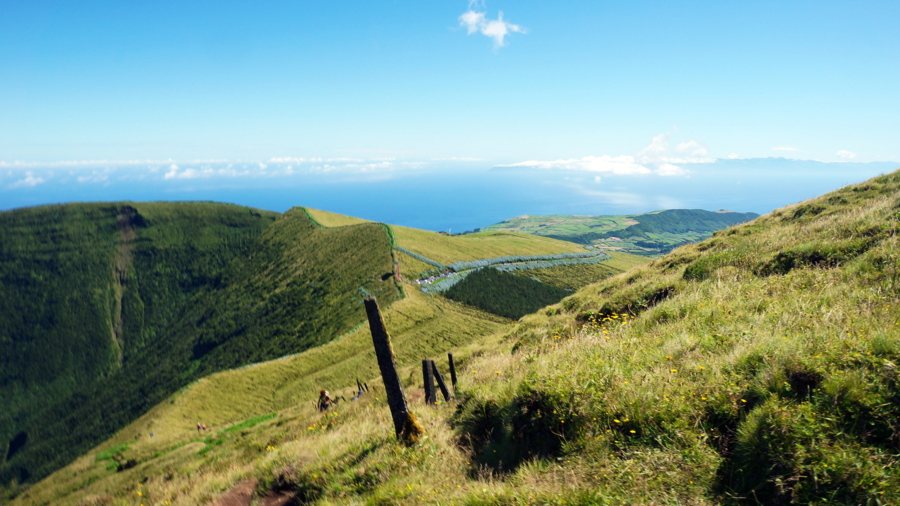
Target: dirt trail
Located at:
point(240, 495)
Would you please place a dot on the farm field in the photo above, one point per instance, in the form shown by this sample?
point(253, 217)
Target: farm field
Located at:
point(649, 234)
point(448, 249)
point(758, 363)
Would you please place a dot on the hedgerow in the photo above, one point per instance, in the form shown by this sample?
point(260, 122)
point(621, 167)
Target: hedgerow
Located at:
point(421, 258)
point(546, 264)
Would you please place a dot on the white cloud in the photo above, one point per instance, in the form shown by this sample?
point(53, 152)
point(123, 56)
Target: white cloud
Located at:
point(692, 148)
point(846, 155)
point(287, 159)
point(733, 156)
point(668, 169)
point(786, 148)
point(656, 153)
point(30, 180)
point(597, 179)
point(656, 149)
point(653, 155)
point(176, 173)
point(497, 29)
point(79, 163)
point(472, 21)
point(615, 164)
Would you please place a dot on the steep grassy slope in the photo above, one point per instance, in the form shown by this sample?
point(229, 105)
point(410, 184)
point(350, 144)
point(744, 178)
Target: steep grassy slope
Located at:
point(757, 367)
point(84, 287)
point(298, 286)
point(649, 234)
point(421, 326)
point(333, 220)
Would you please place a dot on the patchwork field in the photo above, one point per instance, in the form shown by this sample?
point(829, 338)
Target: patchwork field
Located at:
point(649, 234)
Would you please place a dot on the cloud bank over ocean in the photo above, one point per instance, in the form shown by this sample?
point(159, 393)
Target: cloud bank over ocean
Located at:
point(438, 194)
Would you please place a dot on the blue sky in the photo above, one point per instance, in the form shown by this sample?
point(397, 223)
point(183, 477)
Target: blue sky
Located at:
point(601, 89)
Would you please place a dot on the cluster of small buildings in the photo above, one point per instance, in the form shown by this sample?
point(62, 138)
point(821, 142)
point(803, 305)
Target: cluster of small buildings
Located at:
point(431, 279)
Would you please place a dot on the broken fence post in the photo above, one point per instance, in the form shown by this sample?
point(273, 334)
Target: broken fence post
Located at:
point(405, 424)
point(430, 396)
point(440, 381)
point(452, 371)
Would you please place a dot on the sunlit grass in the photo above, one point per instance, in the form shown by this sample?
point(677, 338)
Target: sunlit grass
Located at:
point(760, 366)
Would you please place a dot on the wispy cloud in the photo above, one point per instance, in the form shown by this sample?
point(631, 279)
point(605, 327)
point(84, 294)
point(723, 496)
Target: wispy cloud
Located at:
point(605, 163)
point(84, 163)
point(30, 180)
point(475, 20)
point(657, 154)
point(692, 148)
point(846, 155)
point(786, 148)
point(652, 159)
point(670, 169)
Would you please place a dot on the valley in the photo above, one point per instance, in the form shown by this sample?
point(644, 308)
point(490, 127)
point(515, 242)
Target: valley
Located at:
point(756, 365)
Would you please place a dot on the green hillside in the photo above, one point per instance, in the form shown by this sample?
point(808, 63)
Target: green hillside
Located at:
point(110, 308)
point(650, 234)
point(84, 288)
point(756, 367)
point(421, 326)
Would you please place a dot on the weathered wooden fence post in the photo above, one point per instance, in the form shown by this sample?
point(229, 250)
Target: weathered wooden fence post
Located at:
point(452, 371)
point(405, 423)
point(440, 381)
point(430, 397)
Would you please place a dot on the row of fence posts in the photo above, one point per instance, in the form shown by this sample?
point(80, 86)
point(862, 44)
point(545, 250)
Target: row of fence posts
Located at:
point(406, 426)
point(430, 374)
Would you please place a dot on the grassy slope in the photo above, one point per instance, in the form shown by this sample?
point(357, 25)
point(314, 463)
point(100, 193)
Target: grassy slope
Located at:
point(86, 290)
point(421, 326)
point(299, 286)
point(53, 337)
point(332, 220)
point(759, 366)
